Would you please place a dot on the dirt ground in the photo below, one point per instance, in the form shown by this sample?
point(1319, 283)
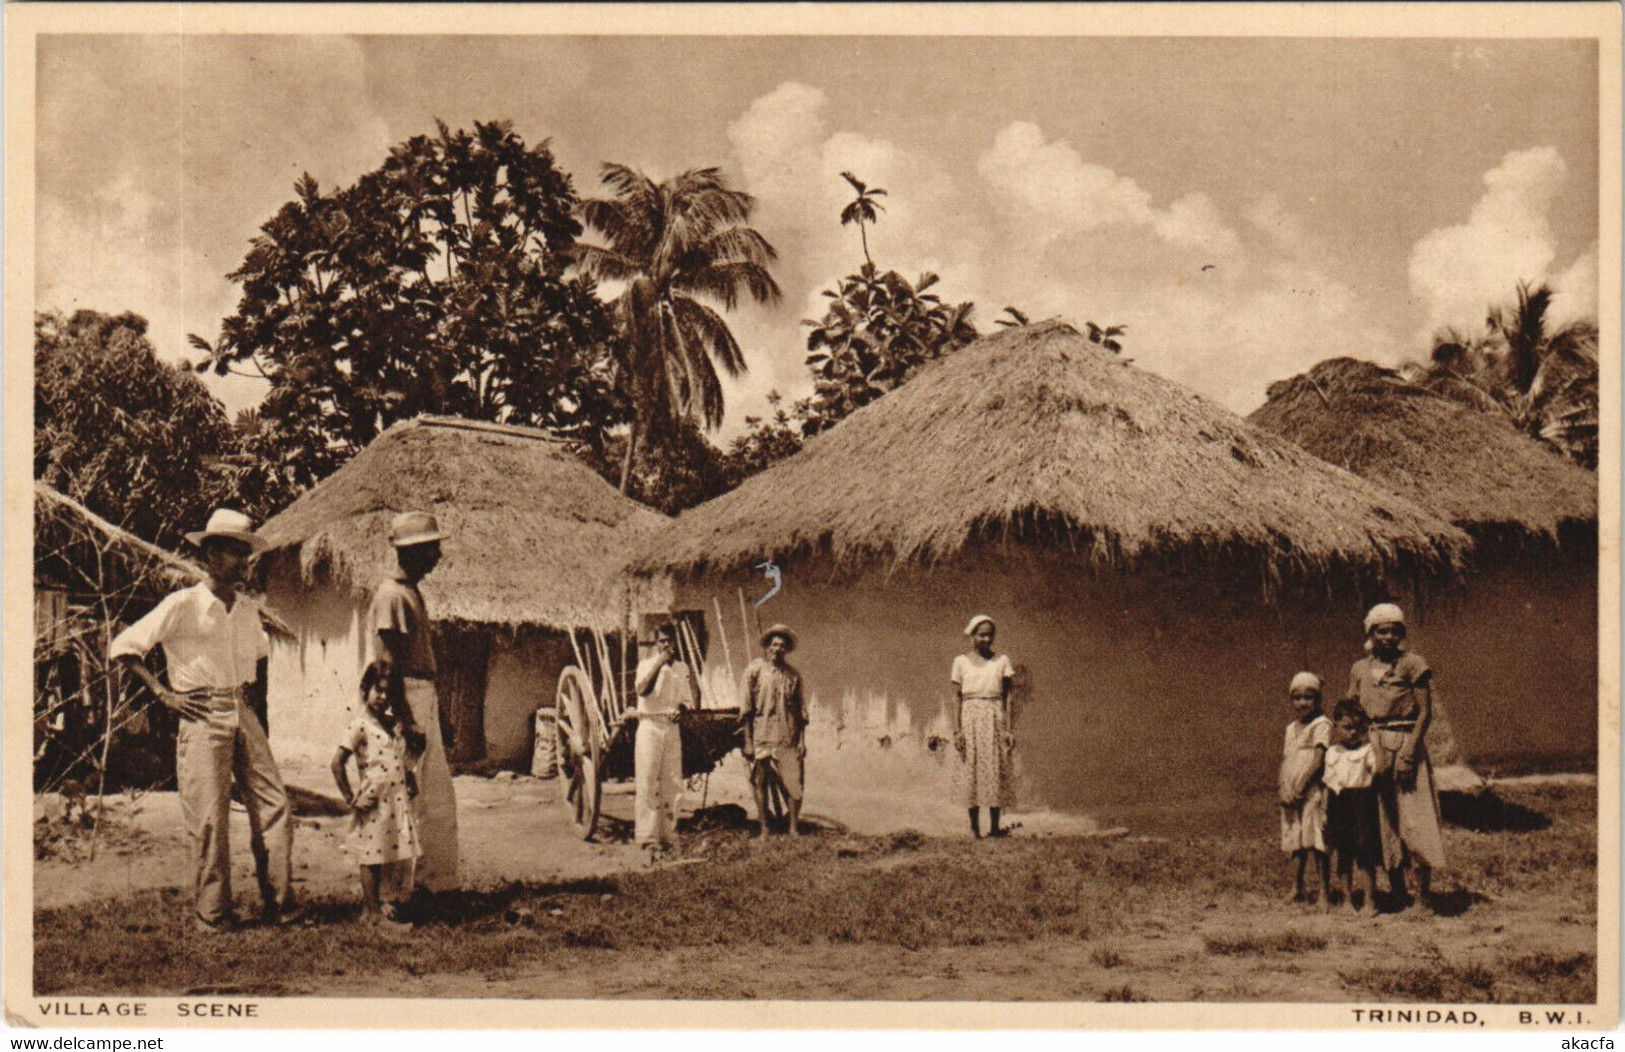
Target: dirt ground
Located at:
point(1109, 914)
point(513, 829)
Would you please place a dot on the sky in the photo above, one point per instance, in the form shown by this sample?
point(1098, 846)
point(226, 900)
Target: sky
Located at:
point(1245, 207)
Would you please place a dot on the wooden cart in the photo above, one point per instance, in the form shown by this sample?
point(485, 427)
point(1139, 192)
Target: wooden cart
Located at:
point(596, 726)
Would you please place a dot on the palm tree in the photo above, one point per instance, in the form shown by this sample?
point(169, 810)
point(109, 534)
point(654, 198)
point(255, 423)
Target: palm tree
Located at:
point(1016, 319)
point(1543, 379)
point(863, 209)
point(1107, 336)
point(682, 250)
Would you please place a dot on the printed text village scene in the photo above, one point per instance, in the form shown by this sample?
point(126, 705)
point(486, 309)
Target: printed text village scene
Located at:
point(1109, 539)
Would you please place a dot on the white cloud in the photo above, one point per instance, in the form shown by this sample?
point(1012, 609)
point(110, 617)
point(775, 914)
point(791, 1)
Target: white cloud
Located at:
point(1577, 288)
point(1507, 238)
point(1055, 192)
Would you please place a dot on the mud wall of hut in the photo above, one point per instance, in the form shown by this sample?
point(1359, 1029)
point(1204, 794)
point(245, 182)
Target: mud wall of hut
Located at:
point(314, 678)
point(1148, 688)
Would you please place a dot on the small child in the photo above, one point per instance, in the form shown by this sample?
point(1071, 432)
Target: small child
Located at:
point(1351, 813)
point(382, 836)
point(1303, 797)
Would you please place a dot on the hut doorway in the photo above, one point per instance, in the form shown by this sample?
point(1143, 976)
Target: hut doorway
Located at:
point(463, 656)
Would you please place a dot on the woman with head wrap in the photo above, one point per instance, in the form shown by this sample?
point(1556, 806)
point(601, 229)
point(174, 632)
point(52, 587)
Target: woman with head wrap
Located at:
point(1395, 688)
point(982, 738)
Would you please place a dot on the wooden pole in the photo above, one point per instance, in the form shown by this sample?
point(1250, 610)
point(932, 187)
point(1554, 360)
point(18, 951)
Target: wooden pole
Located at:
point(727, 651)
point(692, 644)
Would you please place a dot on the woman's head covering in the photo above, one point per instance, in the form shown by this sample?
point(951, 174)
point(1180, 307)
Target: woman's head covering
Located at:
point(780, 630)
point(1305, 681)
point(1384, 614)
point(970, 629)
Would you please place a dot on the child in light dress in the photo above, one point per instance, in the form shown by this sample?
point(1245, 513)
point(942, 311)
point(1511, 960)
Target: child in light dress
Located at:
point(1352, 829)
point(383, 838)
point(1302, 796)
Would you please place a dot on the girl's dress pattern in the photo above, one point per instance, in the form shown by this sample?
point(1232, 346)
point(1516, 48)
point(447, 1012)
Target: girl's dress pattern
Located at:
point(1303, 826)
point(381, 826)
point(986, 775)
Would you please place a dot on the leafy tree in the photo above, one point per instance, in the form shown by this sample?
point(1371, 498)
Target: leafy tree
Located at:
point(433, 284)
point(1543, 379)
point(683, 251)
point(863, 209)
point(678, 468)
point(130, 437)
point(766, 441)
point(877, 332)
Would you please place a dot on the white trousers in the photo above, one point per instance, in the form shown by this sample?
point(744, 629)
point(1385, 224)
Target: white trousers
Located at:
point(659, 778)
point(435, 809)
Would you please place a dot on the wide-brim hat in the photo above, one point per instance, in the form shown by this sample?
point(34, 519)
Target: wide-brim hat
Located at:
point(780, 630)
point(230, 524)
point(411, 528)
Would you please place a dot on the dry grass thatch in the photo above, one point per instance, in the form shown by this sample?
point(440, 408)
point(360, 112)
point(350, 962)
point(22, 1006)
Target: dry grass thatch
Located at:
point(1038, 435)
point(80, 551)
point(535, 536)
point(1466, 465)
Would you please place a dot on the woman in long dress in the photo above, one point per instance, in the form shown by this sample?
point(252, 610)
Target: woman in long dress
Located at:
point(982, 736)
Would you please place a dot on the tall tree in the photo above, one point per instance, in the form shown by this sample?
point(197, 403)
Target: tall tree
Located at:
point(433, 284)
point(1543, 378)
point(878, 330)
point(684, 253)
point(132, 438)
point(862, 210)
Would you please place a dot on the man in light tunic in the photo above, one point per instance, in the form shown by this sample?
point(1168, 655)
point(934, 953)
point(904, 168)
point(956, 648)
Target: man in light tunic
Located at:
point(213, 640)
point(665, 687)
point(403, 642)
point(774, 719)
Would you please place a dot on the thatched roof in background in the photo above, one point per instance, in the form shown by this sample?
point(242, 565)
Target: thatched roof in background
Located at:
point(1466, 465)
point(1039, 435)
point(70, 540)
point(535, 536)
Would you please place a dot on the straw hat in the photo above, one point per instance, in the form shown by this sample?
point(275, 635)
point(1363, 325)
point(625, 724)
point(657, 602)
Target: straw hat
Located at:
point(232, 524)
point(780, 630)
point(414, 527)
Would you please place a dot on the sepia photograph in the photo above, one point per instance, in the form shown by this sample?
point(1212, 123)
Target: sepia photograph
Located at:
point(968, 515)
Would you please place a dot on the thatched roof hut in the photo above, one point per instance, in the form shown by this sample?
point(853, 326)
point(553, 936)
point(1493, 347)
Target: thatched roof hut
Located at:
point(1118, 528)
point(1038, 435)
point(1469, 466)
point(536, 546)
point(536, 536)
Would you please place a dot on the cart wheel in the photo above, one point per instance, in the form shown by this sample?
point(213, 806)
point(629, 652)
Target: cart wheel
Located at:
point(580, 745)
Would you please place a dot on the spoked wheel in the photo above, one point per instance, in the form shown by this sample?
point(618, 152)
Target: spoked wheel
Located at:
point(580, 745)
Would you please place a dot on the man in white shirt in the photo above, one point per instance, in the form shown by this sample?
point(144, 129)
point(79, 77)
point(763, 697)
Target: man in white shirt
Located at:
point(213, 639)
point(665, 687)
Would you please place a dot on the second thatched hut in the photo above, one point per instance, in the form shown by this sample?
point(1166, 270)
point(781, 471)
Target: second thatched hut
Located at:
point(1515, 638)
point(1158, 569)
point(534, 554)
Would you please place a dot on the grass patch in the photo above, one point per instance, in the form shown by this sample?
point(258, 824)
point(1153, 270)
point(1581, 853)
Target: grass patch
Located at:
point(1258, 945)
point(901, 891)
point(1125, 994)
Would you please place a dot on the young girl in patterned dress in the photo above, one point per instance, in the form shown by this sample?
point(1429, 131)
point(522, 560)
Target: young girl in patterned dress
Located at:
point(382, 837)
point(982, 737)
point(1303, 797)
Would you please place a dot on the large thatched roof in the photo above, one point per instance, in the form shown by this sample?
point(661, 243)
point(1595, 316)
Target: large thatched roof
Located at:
point(535, 536)
point(1466, 465)
point(1039, 435)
